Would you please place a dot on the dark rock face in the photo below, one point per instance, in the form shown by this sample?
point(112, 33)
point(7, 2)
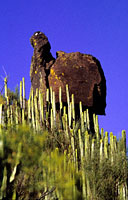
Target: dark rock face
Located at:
point(82, 73)
point(41, 62)
point(84, 76)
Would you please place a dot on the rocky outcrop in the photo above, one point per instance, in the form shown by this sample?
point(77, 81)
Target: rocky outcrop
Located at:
point(41, 62)
point(83, 74)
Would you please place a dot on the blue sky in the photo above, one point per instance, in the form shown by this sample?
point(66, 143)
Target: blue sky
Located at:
point(94, 27)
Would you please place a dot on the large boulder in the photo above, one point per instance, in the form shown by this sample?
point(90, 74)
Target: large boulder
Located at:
point(83, 74)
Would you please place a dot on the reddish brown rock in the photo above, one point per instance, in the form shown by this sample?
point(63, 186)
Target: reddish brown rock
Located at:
point(82, 73)
point(41, 62)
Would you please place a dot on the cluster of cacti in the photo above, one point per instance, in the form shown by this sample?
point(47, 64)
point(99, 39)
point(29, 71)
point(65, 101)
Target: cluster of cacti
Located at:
point(84, 155)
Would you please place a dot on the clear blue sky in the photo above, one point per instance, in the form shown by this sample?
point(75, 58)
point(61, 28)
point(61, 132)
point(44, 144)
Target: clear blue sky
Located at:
point(94, 27)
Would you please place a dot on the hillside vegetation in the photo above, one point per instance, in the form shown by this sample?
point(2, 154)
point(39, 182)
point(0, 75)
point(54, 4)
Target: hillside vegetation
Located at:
point(49, 154)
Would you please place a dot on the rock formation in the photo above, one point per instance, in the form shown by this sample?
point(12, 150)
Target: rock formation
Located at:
point(42, 60)
point(83, 74)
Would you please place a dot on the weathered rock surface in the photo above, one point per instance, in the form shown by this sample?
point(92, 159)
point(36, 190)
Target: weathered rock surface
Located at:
point(41, 62)
point(83, 74)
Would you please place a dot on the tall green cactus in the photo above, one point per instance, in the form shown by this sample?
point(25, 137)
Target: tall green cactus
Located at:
point(21, 96)
point(5, 87)
point(23, 83)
